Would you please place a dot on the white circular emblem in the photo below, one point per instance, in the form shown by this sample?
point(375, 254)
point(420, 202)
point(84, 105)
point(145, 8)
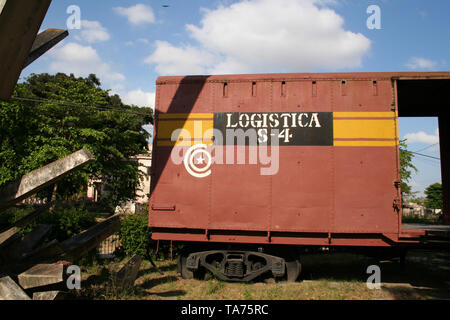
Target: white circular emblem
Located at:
point(197, 161)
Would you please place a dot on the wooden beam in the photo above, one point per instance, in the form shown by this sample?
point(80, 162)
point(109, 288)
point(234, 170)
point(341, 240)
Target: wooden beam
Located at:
point(80, 244)
point(16, 247)
point(126, 276)
point(41, 275)
point(38, 179)
point(44, 42)
point(49, 295)
point(5, 235)
point(20, 21)
point(2, 4)
point(34, 238)
point(48, 252)
point(9, 290)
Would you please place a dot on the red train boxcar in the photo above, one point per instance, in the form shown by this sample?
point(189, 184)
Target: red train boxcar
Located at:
point(253, 166)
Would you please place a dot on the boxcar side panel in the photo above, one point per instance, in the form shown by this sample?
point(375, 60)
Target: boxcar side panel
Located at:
point(336, 175)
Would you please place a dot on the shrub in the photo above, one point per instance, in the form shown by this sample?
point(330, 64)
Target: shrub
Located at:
point(428, 219)
point(135, 235)
point(67, 222)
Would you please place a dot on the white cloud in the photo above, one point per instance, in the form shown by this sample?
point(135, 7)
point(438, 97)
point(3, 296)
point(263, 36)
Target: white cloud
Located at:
point(139, 98)
point(93, 31)
point(116, 88)
point(144, 41)
point(137, 14)
point(265, 36)
point(416, 63)
point(81, 61)
point(180, 60)
point(414, 184)
point(422, 137)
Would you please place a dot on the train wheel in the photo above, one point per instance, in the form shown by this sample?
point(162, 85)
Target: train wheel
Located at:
point(293, 269)
point(182, 268)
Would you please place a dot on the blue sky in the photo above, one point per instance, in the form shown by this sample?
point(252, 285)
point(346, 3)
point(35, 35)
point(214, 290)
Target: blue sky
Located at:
point(128, 44)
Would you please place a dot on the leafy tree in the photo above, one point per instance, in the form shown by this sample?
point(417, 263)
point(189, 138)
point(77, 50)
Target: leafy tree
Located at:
point(406, 168)
point(62, 114)
point(434, 196)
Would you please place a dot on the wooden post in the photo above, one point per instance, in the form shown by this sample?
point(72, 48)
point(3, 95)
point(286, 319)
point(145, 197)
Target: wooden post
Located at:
point(444, 141)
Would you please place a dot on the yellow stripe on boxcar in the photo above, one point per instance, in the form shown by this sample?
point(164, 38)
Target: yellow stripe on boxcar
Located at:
point(365, 129)
point(187, 128)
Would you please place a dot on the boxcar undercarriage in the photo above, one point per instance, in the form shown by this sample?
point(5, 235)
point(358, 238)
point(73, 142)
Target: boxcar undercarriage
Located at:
point(245, 262)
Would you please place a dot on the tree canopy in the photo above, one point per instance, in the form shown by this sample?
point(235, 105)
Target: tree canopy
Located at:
point(406, 168)
point(51, 116)
point(434, 196)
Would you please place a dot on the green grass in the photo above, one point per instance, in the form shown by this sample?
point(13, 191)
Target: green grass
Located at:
point(214, 286)
point(325, 277)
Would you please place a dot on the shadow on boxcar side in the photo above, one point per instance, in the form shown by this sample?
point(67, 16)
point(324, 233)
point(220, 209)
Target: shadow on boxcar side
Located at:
point(188, 94)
